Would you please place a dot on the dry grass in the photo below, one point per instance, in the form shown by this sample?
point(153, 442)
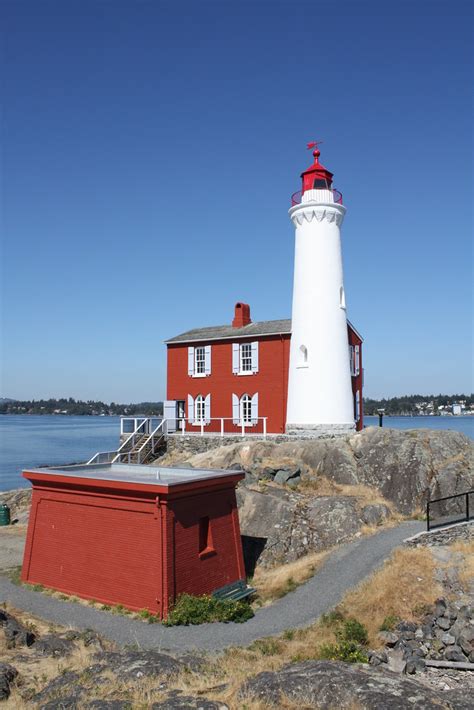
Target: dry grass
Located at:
point(403, 587)
point(274, 583)
point(466, 570)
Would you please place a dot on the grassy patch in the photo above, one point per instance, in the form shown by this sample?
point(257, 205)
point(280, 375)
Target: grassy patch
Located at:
point(401, 588)
point(190, 609)
point(274, 583)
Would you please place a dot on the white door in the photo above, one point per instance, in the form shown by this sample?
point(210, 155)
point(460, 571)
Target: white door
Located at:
point(169, 413)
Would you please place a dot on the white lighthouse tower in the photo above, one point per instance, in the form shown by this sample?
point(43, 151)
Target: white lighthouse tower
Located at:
point(320, 396)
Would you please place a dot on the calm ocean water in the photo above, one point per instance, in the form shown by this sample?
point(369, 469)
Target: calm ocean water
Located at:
point(38, 440)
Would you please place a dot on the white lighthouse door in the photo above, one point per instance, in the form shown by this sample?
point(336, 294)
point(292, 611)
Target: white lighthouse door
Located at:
point(169, 413)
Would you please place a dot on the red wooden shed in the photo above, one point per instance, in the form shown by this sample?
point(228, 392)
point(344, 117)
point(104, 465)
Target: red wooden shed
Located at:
point(133, 535)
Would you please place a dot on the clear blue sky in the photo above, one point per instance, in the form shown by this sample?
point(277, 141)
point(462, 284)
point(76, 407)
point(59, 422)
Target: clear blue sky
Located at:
point(149, 153)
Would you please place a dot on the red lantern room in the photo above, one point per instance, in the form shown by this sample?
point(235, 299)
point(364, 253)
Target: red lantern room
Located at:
point(316, 177)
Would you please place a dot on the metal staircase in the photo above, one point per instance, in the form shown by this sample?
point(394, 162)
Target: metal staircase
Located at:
point(142, 446)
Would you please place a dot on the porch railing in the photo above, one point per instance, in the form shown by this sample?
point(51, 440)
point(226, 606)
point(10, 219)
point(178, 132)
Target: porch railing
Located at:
point(184, 425)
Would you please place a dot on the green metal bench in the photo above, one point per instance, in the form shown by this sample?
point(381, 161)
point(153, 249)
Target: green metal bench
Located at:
point(234, 591)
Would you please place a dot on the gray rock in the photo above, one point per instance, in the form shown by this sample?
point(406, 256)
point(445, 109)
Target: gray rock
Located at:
point(15, 633)
point(414, 665)
point(52, 645)
point(375, 513)
point(466, 639)
point(458, 698)
point(286, 473)
point(444, 623)
point(454, 653)
point(64, 688)
point(396, 661)
point(331, 684)
point(448, 639)
point(137, 664)
point(388, 638)
point(7, 675)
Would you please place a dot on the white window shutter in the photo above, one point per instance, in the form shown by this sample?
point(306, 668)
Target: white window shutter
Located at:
point(235, 358)
point(357, 359)
point(207, 360)
point(190, 361)
point(235, 409)
point(207, 409)
point(255, 409)
point(255, 356)
point(190, 408)
point(357, 414)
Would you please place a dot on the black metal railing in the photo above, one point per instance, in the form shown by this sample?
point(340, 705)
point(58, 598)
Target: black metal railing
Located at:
point(449, 510)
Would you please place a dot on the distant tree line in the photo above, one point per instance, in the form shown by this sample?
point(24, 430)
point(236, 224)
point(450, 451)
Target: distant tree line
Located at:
point(407, 404)
point(78, 407)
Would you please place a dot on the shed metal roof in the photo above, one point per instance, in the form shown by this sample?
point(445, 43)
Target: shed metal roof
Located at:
point(227, 332)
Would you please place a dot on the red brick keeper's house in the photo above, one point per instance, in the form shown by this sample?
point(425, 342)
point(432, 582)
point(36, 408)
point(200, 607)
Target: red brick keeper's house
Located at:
point(222, 376)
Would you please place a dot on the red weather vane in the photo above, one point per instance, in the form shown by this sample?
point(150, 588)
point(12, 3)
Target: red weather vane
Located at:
point(313, 144)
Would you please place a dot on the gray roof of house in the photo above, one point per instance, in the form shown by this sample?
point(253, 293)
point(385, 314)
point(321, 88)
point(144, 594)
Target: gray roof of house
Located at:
point(227, 332)
point(223, 332)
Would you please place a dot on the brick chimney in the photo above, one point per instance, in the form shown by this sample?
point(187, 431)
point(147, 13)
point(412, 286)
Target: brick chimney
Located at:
point(241, 315)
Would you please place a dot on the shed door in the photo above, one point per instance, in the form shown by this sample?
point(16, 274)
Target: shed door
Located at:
point(169, 413)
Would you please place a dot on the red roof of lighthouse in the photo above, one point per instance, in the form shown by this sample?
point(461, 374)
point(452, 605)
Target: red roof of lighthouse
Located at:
point(314, 172)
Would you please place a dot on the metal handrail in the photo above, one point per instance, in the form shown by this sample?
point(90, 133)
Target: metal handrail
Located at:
point(151, 437)
point(467, 517)
point(296, 197)
point(118, 451)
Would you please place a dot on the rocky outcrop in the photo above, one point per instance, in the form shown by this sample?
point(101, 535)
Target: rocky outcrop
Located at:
point(331, 684)
point(406, 467)
point(16, 634)
point(445, 634)
point(290, 524)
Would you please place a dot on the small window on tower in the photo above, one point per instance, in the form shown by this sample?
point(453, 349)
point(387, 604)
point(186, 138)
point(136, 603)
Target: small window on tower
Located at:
point(342, 298)
point(303, 356)
point(320, 184)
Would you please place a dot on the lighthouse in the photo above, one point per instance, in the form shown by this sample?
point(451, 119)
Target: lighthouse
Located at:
point(320, 398)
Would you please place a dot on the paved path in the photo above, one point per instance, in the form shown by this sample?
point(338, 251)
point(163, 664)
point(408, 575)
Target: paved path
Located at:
point(344, 569)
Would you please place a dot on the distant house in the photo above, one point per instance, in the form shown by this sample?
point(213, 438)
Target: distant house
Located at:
point(222, 377)
point(457, 408)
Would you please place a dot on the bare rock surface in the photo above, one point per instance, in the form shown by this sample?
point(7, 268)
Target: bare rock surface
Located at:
point(405, 466)
point(291, 524)
point(331, 684)
point(7, 675)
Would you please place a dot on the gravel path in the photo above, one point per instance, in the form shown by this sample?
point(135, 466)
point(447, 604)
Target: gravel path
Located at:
point(344, 569)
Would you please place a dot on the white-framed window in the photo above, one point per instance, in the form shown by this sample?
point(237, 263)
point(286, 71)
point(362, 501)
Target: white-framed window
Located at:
point(245, 409)
point(199, 409)
point(199, 361)
point(245, 358)
point(354, 359)
point(357, 405)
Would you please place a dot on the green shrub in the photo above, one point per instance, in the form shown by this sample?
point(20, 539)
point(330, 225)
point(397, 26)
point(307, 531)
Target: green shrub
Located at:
point(189, 609)
point(353, 631)
point(347, 651)
point(389, 623)
point(332, 618)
